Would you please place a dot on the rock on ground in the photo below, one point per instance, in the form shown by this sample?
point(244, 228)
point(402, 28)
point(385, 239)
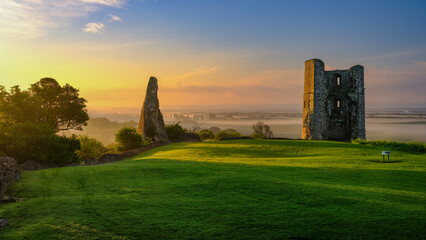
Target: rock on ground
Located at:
point(9, 172)
point(3, 222)
point(31, 165)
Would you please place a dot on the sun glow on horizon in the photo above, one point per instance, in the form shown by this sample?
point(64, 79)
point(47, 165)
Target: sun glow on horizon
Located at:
point(109, 49)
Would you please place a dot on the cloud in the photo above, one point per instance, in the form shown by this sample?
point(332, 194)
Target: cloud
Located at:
point(197, 72)
point(112, 3)
point(94, 27)
point(113, 18)
point(33, 18)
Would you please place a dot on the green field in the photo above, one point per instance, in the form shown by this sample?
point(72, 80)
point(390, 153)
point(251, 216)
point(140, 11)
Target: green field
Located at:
point(242, 189)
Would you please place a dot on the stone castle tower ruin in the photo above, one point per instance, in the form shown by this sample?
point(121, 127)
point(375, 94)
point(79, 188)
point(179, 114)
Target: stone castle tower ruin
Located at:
point(333, 103)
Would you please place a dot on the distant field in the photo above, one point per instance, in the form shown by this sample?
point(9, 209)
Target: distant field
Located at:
point(242, 189)
point(395, 129)
point(386, 128)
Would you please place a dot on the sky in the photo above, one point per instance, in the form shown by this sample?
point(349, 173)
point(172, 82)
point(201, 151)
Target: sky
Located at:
point(211, 52)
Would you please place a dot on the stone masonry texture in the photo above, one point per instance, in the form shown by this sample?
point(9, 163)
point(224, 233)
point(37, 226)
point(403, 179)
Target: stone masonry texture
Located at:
point(333, 103)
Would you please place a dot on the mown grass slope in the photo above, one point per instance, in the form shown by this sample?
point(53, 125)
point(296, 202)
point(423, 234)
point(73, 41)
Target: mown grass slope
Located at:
point(242, 189)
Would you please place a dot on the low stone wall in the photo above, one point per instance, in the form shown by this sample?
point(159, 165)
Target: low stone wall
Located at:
point(9, 172)
point(188, 137)
point(31, 165)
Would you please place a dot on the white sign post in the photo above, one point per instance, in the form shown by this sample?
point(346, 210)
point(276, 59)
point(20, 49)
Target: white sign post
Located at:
point(385, 153)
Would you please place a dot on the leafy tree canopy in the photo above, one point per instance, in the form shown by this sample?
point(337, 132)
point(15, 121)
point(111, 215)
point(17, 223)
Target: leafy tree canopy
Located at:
point(45, 101)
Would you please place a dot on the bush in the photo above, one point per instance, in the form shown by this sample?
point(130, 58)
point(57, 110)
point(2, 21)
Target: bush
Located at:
point(128, 138)
point(62, 150)
point(175, 130)
point(30, 141)
point(215, 130)
point(410, 147)
point(205, 134)
point(257, 136)
point(112, 148)
point(91, 148)
point(227, 133)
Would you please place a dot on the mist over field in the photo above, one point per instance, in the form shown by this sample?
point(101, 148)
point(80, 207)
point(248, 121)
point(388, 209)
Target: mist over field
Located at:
point(407, 124)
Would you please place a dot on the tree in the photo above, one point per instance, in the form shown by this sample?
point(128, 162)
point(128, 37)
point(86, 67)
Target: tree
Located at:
point(30, 118)
point(128, 138)
point(262, 130)
point(61, 107)
point(194, 128)
point(18, 106)
point(44, 102)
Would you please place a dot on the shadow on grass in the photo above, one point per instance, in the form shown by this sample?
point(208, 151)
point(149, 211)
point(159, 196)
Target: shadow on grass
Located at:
point(380, 161)
point(169, 198)
point(254, 148)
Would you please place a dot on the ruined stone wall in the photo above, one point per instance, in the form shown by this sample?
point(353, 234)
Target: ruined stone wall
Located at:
point(333, 103)
point(357, 73)
point(308, 98)
point(315, 92)
point(319, 121)
point(10, 172)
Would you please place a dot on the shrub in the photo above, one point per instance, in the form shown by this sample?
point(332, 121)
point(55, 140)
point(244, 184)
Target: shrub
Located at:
point(174, 130)
point(205, 134)
point(91, 148)
point(112, 148)
point(227, 133)
point(257, 136)
point(215, 130)
point(128, 138)
point(62, 150)
point(410, 147)
point(30, 141)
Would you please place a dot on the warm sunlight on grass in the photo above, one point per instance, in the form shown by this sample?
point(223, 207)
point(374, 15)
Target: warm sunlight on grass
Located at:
point(244, 189)
point(292, 153)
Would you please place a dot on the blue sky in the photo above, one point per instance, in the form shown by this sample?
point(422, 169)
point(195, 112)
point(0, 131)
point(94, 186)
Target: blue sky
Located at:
point(214, 52)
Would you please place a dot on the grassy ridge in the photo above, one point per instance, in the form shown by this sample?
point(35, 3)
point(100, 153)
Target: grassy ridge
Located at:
point(245, 189)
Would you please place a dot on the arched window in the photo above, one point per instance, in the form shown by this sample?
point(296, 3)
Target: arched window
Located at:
point(338, 104)
point(339, 80)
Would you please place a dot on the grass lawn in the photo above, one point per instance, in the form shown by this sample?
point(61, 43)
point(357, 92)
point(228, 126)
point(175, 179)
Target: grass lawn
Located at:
point(242, 189)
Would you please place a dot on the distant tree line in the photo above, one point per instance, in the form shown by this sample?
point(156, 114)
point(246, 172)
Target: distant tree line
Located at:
point(260, 131)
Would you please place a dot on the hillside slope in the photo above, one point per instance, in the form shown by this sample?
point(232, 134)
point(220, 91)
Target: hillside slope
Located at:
point(242, 189)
